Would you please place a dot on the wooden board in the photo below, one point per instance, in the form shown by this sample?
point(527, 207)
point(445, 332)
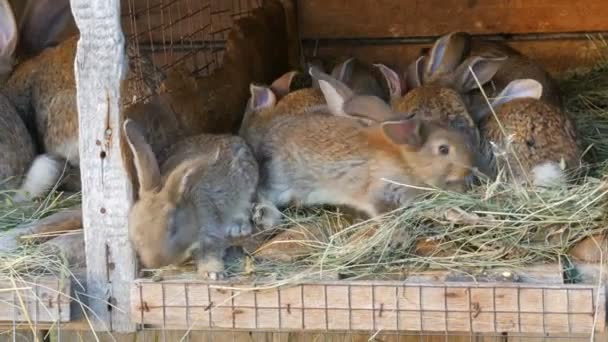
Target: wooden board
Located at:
point(106, 188)
point(393, 18)
point(34, 301)
point(372, 305)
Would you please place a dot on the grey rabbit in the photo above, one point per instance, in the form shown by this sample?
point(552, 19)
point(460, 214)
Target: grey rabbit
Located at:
point(202, 192)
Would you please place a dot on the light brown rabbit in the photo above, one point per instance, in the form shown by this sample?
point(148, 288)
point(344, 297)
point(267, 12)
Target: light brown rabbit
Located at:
point(458, 46)
point(440, 99)
point(17, 149)
point(538, 141)
point(202, 192)
point(325, 159)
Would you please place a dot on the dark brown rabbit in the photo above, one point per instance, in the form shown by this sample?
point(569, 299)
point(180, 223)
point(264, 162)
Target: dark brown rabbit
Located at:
point(458, 46)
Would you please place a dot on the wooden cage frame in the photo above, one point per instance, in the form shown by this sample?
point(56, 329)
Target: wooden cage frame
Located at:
point(121, 302)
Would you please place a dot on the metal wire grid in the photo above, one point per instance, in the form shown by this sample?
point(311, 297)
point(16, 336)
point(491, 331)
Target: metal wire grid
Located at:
point(181, 310)
point(191, 33)
point(33, 303)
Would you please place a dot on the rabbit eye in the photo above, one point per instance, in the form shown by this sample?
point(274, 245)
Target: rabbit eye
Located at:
point(444, 150)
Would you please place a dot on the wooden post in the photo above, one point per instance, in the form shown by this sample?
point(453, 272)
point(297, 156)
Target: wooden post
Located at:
point(100, 68)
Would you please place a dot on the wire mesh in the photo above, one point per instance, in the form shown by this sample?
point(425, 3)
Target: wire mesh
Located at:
point(395, 310)
point(189, 33)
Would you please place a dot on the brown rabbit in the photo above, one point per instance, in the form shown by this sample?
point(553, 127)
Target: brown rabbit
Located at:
point(538, 140)
point(319, 158)
point(440, 99)
point(203, 192)
point(458, 46)
point(43, 88)
point(17, 149)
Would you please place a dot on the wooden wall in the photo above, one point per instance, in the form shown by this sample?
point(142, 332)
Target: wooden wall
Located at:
point(552, 31)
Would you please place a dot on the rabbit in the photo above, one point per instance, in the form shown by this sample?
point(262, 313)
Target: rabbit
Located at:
point(44, 93)
point(203, 191)
point(440, 99)
point(367, 79)
point(458, 46)
point(17, 148)
point(543, 140)
point(325, 159)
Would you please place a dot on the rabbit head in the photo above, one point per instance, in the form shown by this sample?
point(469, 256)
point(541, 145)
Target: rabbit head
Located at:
point(538, 140)
point(435, 155)
point(161, 216)
point(367, 79)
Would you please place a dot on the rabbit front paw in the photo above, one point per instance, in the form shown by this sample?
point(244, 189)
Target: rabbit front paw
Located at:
point(211, 269)
point(240, 229)
point(265, 216)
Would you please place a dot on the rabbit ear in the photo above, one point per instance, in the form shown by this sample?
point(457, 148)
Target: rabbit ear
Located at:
point(261, 97)
point(281, 85)
point(186, 176)
point(343, 71)
point(483, 68)
point(523, 88)
point(447, 53)
point(334, 91)
point(8, 36)
point(42, 23)
point(318, 68)
point(369, 108)
point(148, 173)
point(404, 132)
point(413, 76)
point(392, 80)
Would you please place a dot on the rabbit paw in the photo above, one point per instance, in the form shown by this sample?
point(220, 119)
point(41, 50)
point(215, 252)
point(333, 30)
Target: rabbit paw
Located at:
point(210, 269)
point(265, 216)
point(240, 229)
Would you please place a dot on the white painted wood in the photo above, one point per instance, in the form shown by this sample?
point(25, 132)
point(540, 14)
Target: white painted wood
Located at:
point(100, 67)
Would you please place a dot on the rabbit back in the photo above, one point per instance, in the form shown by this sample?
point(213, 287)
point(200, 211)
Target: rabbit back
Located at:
point(230, 182)
point(43, 90)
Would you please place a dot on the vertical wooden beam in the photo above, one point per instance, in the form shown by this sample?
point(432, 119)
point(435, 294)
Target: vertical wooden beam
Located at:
point(100, 68)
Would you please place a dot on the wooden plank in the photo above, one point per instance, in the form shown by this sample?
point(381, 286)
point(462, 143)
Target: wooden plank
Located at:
point(556, 55)
point(390, 18)
point(373, 305)
point(106, 189)
point(34, 301)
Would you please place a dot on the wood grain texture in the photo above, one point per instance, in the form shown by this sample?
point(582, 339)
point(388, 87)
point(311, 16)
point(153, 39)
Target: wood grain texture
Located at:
point(106, 194)
point(394, 18)
point(372, 306)
point(34, 301)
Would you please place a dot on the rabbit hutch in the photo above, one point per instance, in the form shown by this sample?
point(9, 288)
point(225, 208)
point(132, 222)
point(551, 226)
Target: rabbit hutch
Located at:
point(500, 262)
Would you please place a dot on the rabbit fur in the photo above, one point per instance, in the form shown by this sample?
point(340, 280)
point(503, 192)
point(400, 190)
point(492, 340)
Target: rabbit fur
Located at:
point(320, 158)
point(459, 46)
point(202, 192)
point(17, 148)
point(538, 140)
